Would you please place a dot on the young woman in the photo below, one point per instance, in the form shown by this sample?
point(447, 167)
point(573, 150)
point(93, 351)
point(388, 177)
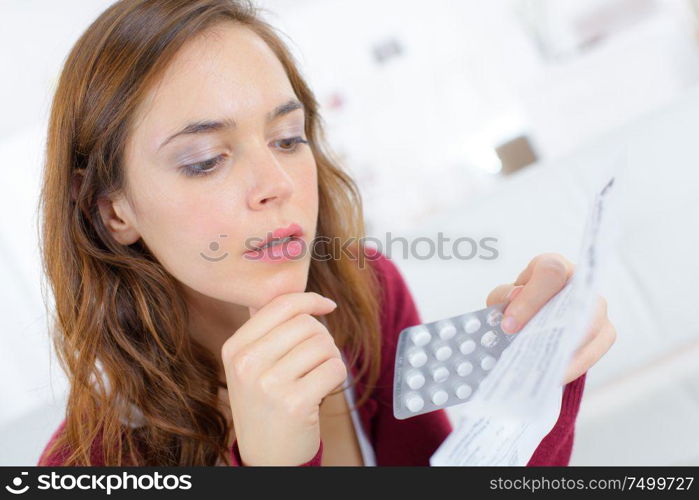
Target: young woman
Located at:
point(181, 138)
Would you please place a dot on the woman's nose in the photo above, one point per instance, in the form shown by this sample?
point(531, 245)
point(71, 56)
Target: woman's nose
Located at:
point(271, 183)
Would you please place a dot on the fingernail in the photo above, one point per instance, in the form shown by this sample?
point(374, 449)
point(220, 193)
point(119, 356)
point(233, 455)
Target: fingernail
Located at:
point(509, 325)
point(331, 301)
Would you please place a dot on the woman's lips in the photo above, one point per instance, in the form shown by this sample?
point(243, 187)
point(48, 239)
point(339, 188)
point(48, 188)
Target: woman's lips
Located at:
point(292, 229)
point(288, 250)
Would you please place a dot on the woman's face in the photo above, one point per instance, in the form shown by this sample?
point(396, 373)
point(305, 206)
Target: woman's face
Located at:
point(254, 176)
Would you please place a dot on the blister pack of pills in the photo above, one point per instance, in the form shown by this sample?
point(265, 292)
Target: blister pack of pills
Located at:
point(441, 364)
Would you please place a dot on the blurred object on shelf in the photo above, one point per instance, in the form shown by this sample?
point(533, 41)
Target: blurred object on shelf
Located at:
point(386, 50)
point(694, 8)
point(515, 154)
point(564, 28)
point(335, 101)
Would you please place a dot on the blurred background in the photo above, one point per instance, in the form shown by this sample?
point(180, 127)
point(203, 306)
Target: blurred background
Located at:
point(474, 119)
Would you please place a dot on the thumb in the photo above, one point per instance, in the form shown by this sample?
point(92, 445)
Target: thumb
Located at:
point(514, 292)
point(503, 294)
point(252, 311)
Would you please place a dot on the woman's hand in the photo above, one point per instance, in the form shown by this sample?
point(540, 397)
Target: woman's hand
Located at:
point(543, 278)
point(279, 366)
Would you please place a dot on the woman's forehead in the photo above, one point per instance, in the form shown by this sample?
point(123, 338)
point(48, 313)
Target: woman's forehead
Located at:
point(232, 74)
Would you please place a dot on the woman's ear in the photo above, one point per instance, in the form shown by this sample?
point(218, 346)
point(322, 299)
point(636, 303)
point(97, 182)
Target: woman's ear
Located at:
point(115, 215)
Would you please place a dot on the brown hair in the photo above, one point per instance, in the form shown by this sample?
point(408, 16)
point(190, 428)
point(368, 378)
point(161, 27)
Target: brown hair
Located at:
point(119, 315)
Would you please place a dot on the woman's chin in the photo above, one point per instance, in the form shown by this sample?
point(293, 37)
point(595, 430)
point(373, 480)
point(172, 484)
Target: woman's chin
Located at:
point(283, 288)
point(270, 285)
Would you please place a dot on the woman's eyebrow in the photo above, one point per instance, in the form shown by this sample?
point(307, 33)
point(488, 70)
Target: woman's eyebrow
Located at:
point(208, 126)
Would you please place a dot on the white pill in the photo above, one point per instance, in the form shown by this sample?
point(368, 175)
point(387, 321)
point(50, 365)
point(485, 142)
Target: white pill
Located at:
point(488, 362)
point(417, 358)
point(446, 330)
point(440, 374)
point(471, 324)
point(442, 353)
point(494, 317)
point(467, 347)
point(463, 391)
point(420, 336)
point(440, 397)
point(464, 368)
point(414, 402)
point(489, 339)
point(415, 379)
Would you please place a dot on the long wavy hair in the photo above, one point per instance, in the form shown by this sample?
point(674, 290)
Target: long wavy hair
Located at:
point(119, 327)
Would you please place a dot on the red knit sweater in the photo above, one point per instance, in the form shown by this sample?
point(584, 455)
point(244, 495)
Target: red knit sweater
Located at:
point(411, 441)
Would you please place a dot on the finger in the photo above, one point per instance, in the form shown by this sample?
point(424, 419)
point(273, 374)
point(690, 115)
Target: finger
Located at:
point(598, 321)
point(526, 275)
point(280, 309)
point(304, 357)
point(502, 294)
point(324, 379)
point(515, 291)
point(283, 338)
point(252, 311)
point(549, 276)
point(585, 357)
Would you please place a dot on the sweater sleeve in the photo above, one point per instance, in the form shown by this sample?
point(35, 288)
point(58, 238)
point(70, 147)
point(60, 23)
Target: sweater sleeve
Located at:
point(236, 460)
point(557, 446)
point(58, 457)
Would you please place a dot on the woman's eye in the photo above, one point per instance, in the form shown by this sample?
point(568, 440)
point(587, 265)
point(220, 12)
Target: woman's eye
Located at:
point(289, 145)
point(202, 168)
point(293, 142)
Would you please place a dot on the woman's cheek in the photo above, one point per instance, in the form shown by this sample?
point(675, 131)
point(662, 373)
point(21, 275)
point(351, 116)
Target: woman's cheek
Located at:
point(188, 240)
point(308, 187)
